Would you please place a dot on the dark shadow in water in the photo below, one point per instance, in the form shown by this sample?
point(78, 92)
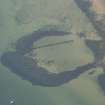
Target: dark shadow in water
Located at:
point(101, 81)
point(97, 47)
point(83, 5)
point(27, 68)
point(24, 44)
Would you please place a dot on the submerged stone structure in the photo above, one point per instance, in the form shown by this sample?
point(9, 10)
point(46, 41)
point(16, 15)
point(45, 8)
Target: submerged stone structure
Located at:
point(27, 68)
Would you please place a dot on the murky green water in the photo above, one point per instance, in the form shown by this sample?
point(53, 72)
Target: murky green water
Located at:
point(21, 17)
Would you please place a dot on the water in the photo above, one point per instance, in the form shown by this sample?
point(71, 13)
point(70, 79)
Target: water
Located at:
point(83, 90)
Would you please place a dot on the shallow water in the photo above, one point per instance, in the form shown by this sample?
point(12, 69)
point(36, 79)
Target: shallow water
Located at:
point(83, 90)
